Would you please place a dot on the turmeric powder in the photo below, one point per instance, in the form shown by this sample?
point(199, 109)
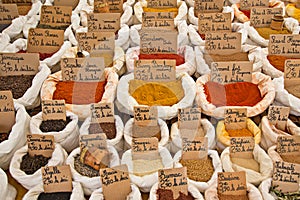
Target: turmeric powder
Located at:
point(175, 10)
point(240, 133)
point(265, 32)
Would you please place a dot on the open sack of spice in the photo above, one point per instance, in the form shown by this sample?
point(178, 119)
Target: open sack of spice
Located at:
point(293, 9)
point(8, 192)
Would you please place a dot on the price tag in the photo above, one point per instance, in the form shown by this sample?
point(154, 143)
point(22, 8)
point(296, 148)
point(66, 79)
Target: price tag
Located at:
point(104, 22)
point(163, 20)
point(162, 4)
point(158, 41)
point(262, 17)
point(44, 40)
point(56, 16)
point(194, 147)
point(231, 72)
point(248, 4)
point(286, 176)
point(23, 5)
point(102, 113)
point(72, 3)
point(158, 70)
point(93, 140)
point(145, 148)
point(18, 2)
point(292, 76)
point(285, 45)
point(214, 22)
point(288, 145)
point(145, 115)
point(8, 13)
point(115, 6)
point(211, 6)
point(241, 147)
point(40, 145)
point(57, 179)
point(115, 179)
point(223, 43)
point(90, 69)
point(235, 118)
point(189, 118)
point(53, 109)
point(232, 183)
point(7, 111)
point(278, 116)
point(174, 179)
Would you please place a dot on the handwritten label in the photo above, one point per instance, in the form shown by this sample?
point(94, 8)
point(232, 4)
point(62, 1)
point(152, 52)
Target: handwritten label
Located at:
point(18, 2)
point(7, 111)
point(235, 118)
point(248, 4)
point(162, 4)
point(194, 147)
point(115, 179)
point(285, 45)
point(104, 22)
point(72, 3)
point(102, 113)
point(57, 179)
point(53, 110)
point(93, 140)
point(292, 76)
point(288, 145)
point(174, 179)
point(115, 6)
point(241, 147)
point(145, 115)
point(286, 176)
point(214, 22)
point(278, 116)
point(223, 43)
point(232, 183)
point(44, 40)
point(158, 70)
point(163, 20)
point(40, 145)
point(158, 41)
point(262, 17)
point(208, 6)
point(145, 148)
point(56, 16)
point(189, 118)
point(8, 12)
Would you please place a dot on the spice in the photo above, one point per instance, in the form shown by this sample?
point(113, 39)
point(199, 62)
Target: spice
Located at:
point(284, 196)
point(54, 125)
point(247, 13)
point(233, 94)
point(79, 92)
point(143, 167)
point(277, 22)
point(232, 197)
point(101, 7)
point(240, 133)
point(55, 196)
point(146, 131)
point(165, 194)
point(31, 164)
point(146, 9)
point(17, 84)
point(293, 11)
point(199, 170)
point(295, 119)
point(277, 61)
point(209, 58)
point(83, 169)
point(179, 58)
point(248, 163)
point(291, 158)
point(108, 128)
point(265, 32)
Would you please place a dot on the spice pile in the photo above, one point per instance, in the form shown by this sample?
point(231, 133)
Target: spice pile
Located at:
point(4, 136)
point(240, 133)
point(164, 194)
point(143, 167)
point(179, 59)
point(108, 128)
point(209, 58)
point(31, 164)
point(248, 163)
point(233, 197)
point(54, 125)
point(55, 196)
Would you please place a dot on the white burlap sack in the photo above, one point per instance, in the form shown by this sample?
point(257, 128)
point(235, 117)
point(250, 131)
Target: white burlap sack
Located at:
point(8, 192)
point(82, 111)
point(202, 186)
point(191, 189)
point(29, 181)
point(68, 138)
point(146, 182)
point(17, 136)
point(265, 85)
point(265, 163)
point(126, 102)
point(91, 184)
point(33, 194)
point(269, 69)
point(209, 131)
point(274, 155)
point(134, 195)
point(164, 132)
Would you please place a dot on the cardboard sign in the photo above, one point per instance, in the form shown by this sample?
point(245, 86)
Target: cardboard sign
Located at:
point(241, 147)
point(174, 179)
point(163, 20)
point(115, 179)
point(232, 183)
point(235, 118)
point(248, 4)
point(7, 111)
point(115, 6)
point(44, 40)
point(18, 2)
point(194, 147)
point(145, 148)
point(286, 176)
point(104, 22)
point(214, 22)
point(223, 43)
point(72, 3)
point(53, 109)
point(102, 113)
point(262, 17)
point(158, 41)
point(89, 69)
point(288, 145)
point(189, 118)
point(157, 70)
point(145, 115)
point(162, 4)
point(93, 140)
point(40, 145)
point(231, 72)
point(57, 179)
point(56, 16)
point(8, 12)
point(292, 76)
point(15, 64)
point(208, 6)
point(278, 116)
point(285, 45)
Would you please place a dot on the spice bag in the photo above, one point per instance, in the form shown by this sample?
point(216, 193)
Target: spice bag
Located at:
point(164, 132)
point(265, 162)
point(91, 184)
point(134, 195)
point(146, 182)
point(252, 192)
point(8, 192)
point(17, 136)
point(68, 138)
point(176, 144)
point(126, 102)
point(274, 155)
point(82, 111)
point(268, 68)
point(29, 181)
point(223, 138)
point(265, 85)
point(191, 189)
point(270, 132)
point(33, 194)
point(202, 186)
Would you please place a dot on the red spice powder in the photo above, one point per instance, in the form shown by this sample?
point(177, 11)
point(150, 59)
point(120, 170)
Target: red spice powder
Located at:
point(247, 13)
point(233, 94)
point(179, 59)
point(79, 92)
point(43, 56)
